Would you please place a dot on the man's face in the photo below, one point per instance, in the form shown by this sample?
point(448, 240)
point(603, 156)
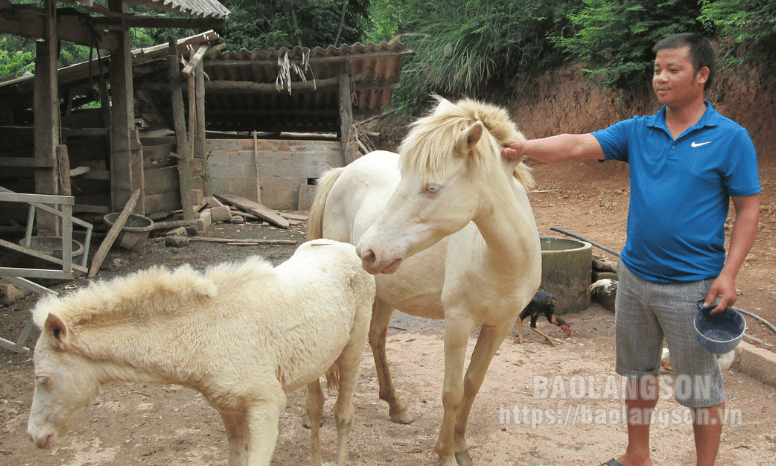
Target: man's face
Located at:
point(674, 80)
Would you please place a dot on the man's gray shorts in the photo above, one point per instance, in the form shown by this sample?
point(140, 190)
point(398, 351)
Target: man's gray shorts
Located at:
point(646, 312)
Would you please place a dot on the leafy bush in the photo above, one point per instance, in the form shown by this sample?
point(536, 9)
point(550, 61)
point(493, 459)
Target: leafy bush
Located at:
point(748, 22)
point(616, 37)
point(15, 63)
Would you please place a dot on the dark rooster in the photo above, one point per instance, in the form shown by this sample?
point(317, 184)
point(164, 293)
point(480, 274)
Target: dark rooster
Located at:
point(542, 303)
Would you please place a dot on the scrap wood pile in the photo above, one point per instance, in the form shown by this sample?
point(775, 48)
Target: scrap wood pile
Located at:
point(226, 208)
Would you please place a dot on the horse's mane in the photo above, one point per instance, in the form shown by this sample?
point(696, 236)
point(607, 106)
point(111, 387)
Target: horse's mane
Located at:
point(156, 292)
point(428, 145)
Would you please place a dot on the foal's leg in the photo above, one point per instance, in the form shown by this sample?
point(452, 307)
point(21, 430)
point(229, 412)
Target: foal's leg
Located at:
point(378, 331)
point(236, 425)
point(488, 342)
point(349, 364)
point(314, 409)
point(263, 416)
point(457, 331)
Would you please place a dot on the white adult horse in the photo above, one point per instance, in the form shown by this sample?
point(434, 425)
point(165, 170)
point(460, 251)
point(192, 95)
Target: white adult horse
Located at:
point(456, 216)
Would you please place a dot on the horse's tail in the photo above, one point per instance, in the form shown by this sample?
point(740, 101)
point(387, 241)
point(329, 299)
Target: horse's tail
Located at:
point(315, 220)
point(522, 173)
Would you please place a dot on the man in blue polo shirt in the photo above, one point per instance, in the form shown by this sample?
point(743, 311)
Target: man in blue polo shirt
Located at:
point(686, 162)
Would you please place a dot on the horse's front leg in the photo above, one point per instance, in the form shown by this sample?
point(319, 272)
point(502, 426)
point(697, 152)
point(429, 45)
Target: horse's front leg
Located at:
point(378, 331)
point(488, 343)
point(457, 331)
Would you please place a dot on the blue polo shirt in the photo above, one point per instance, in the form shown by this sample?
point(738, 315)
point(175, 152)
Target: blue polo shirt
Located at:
point(680, 192)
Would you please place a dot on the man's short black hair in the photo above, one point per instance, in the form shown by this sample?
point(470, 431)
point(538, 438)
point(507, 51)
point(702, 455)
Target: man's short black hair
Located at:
point(702, 52)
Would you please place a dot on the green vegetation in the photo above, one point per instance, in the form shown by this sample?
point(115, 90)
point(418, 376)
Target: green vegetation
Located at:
point(615, 38)
point(474, 48)
point(751, 24)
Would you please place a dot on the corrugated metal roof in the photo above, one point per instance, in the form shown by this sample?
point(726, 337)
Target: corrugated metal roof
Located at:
point(199, 8)
point(241, 94)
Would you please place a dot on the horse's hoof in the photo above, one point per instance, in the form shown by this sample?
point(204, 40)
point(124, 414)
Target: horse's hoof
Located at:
point(464, 459)
point(402, 417)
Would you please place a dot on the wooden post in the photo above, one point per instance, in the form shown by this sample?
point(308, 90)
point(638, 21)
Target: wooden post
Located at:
point(179, 122)
point(200, 141)
point(256, 163)
point(138, 172)
point(46, 114)
point(63, 164)
point(346, 118)
point(122, 180)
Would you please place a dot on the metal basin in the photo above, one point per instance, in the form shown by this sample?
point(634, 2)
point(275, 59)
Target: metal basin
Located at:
point(566, 272)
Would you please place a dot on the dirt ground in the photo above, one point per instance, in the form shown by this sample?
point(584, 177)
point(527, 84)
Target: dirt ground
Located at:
point(539, 405)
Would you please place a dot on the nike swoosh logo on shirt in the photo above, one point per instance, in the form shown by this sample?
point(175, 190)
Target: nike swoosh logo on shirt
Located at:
point(695, 144)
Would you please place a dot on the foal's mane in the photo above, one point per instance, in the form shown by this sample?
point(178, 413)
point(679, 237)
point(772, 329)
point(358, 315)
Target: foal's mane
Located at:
point(153, 293)
point(428, 147)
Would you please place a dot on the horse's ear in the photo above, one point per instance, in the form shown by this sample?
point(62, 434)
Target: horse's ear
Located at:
point(442, 105)
point(469, 137)
point(57, 329)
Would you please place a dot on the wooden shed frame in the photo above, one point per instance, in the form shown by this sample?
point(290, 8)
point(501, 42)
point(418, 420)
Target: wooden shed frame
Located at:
point(107, 32)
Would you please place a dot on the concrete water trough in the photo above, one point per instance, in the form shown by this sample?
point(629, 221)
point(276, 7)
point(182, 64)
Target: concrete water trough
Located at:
point(566, 270)
point(135, 230)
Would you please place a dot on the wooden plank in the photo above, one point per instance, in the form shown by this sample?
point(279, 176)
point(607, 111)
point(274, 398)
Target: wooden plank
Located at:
point(195, 61)
point(263, 212)
point(102, 252)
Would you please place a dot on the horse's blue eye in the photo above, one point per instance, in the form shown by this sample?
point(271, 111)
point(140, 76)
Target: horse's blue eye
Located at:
point(432, 188)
